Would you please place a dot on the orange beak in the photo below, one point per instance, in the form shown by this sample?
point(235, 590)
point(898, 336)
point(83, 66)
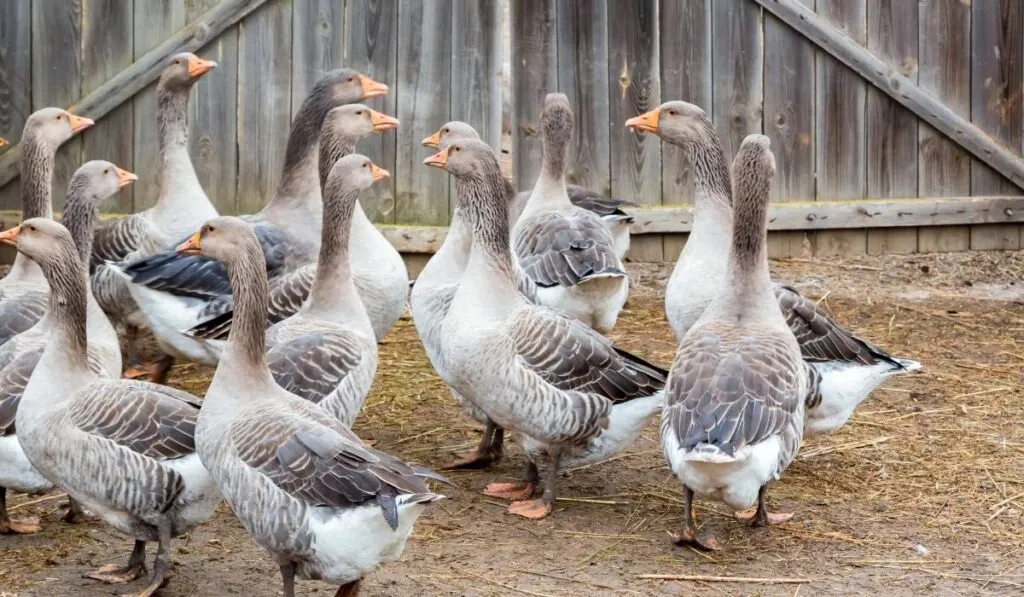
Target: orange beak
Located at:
point(79, 123)
point(646, 122)
point(378, 172)
point(382, 122)
point(372, 88)
point(438, 160)
point(3, 142)
point(433, 140)
point(10, 237)
point(191, 246)
point(125, 178)
point(198, 67)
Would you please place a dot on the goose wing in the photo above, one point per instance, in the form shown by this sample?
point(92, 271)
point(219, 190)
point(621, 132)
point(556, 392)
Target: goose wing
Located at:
point(116, 240)
point(589, 200)
point(13, 380)
point(311, 366)
point(21, 312)
point(556, 249)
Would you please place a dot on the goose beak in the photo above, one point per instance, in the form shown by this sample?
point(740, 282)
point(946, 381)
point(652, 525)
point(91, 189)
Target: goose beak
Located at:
point(125, 178)
point(433, 140)
point(372, 88)
point(191, 246)
point(382, 122)
point(79, 123)
point(10, 237)
point(3, 142)
point(198, 67)
point(646, 122)
point(378, 172)
point(438, 160)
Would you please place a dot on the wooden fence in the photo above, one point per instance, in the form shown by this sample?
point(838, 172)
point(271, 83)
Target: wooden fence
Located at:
point(888, 100)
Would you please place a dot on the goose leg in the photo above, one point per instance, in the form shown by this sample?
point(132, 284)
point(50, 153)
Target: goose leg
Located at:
point(688, 536)
point(487, 452)
point(761, 517)
point(349, 589)
point(161, 563)
point(116, 575)
point(288, 579)
point(541, 507)
point(75, 512)
point(11, 527)
point(516, 491)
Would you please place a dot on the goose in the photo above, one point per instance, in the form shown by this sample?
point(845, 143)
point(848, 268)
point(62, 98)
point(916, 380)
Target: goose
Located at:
point(176, 292)
point(379, 272)
point(181, 206)
point(567, 252)
point(609, 209)
point(571, 396)
point(124, 449)
point(23, 291)
point(90, 185)
point(850, 368)
point(323, 504)
point(737, 389)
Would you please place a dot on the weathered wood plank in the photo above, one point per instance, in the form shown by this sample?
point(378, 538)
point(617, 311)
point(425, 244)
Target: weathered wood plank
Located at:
point(997, 66)
point(211, 114)
point(634, 71)
point(15, 82)
point(318, 44)
point(424, 86)
point(891, 128)
point(107, 50)
point(840, 96)
point(371, 43)
point(264, 102)
point(57, 75)
point(944, 67)
point(737, 46)
point(534, 75)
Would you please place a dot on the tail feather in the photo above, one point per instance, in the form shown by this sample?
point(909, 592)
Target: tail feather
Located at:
point(907, 364)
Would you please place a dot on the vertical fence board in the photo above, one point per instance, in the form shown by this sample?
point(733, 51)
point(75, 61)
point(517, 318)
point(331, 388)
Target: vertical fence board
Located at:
point(840, 123)
point(944, 170)
point(424, 84)
point(318, 44)
point(996, 81)
point(106, 50)
point(57, 75)
point(737, 49)
point(15, 82)
point(892, 129)
point(155, 21)
point(371, 32)
point(264, 98)
point(212, 110)
point(633, 76)
point(534, 75)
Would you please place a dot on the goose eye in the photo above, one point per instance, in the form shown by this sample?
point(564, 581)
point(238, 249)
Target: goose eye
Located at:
point(210, 228)
point(350, 79)
point(454, 149)
point(366, 165)
point(176, 61)
point(60, 116)
point(671, 112)
point(359, 112)
point(106, 170)
point(445, 130)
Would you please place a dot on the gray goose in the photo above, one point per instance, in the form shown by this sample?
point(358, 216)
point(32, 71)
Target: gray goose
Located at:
point(181, 206)
point(23, 291)
point(177, 292)
point(736, 393)
point(571, 396)
point(90, 185)
point(124, 449)
point(850, 368)
point(323, 504)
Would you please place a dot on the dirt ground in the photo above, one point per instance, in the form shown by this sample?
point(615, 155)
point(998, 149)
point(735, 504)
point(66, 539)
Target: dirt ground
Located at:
point(921, 494)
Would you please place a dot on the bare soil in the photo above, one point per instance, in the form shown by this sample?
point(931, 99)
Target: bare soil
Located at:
point(921, 494)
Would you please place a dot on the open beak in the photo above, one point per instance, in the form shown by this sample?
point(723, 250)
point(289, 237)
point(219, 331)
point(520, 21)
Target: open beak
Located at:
point(10, 237)
point(191, 246)
point(646, 122)
point(378, 172)
point(372, 88)
point(433, 140)
point(125, 178)
point(382, 122)
point(438, 160)
point(198, 67)
point(79, 123)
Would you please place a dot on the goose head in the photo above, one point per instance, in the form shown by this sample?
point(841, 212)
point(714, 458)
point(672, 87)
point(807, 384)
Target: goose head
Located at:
point(42, 240)
point(464, 158)
point(183, 70)
point(347, 86)
point(99, 179)
point(356, 121)
point(54, 126)
point(556, 118)
point(356, 172)
point(754, 161)
point(221, 239)
point(451, 131)
point(676, 121)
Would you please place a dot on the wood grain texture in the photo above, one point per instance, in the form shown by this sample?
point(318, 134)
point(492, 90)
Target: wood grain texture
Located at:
point(213, 125)
point(737, 45)
point(634, 71)
point(997, 66)
point(318, 44)
point(534, 75)
point(155, 21)
point(15, 82)
point(264, 102)
point(423, 88)
point(371, 43)
point(891, 128)
point(944, 70)
point(57, 76)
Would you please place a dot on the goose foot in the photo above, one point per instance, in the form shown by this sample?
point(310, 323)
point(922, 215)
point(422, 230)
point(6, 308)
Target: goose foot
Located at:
point(119, 575)
point(349, 589)
point(688, 536)
point(19, 527)
point(760, 516)
point(511, 491)
point(487, 452)
point(530, 509)
point(161, 565)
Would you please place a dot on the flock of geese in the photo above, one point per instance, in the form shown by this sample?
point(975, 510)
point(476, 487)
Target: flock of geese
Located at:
point(290, 302)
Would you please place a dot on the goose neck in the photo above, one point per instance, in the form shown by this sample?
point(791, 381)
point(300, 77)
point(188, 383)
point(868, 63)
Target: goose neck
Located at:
point(748, 258)
point(299, 179)
point(68, 305)
point(333, 148)
point(246, 345)
point(489, 268)
point(37, 163)
point(79, 217)
point(333, 289)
